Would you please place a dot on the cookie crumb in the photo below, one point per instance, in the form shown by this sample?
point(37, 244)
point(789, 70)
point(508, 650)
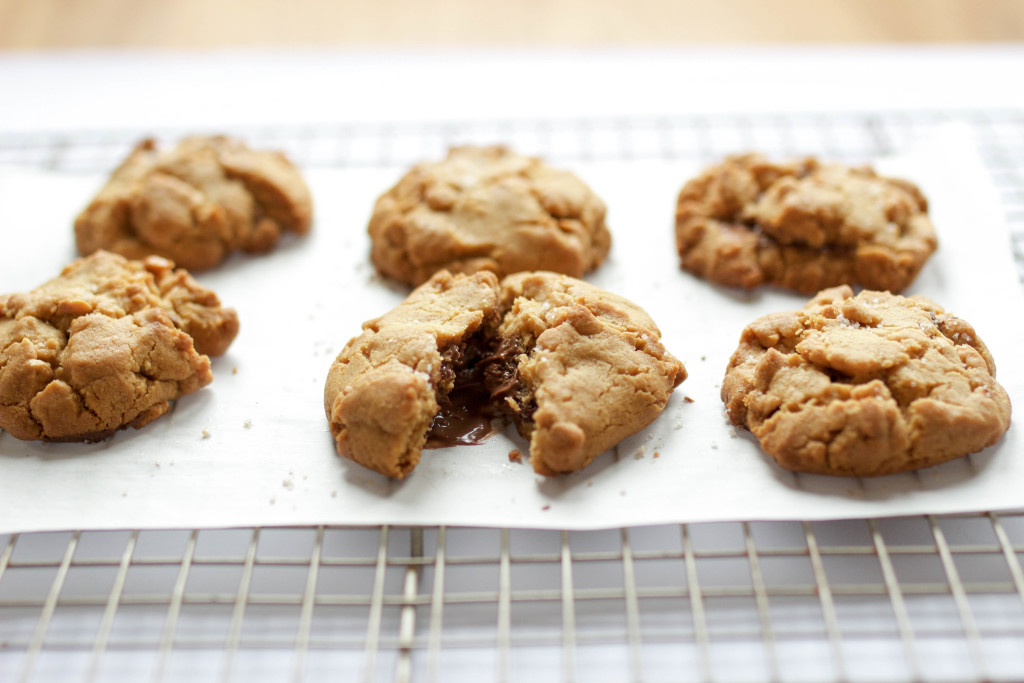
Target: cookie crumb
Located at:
point(677, 425)
point(288, 484)
point(590, 482)
point(657, 454)
point(732, 433)
point(273, 500)
point(157, 463)
point(703, 357)
point(515, 456)
point(639, 454)
point(687, 399)
point(248, 424)
point(714, 445)
point(206, 433)
point(622, 493)
point(334, 493)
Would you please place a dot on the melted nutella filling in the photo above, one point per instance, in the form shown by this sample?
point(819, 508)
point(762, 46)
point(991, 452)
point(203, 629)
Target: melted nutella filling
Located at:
point(466, 414)
point(482, 385)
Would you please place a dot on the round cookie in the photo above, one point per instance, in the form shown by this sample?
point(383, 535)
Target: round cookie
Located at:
point(387, 385)
point(487, 208)
point(196, 203)
point(107, 344)
point(803, 226)
point(865, 385)
point(577, 368)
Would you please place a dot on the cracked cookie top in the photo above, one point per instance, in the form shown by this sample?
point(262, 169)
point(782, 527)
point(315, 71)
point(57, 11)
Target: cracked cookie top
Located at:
point(865, 385)
point(487, 208)
point(196, 203)
point(107, 344)
point(803, 226)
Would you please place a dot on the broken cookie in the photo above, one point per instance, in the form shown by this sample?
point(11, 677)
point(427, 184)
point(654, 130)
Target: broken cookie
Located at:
point(577, 368)
point(803, 226)
point(107, 344)
point(865, 385)
point(487, 208)
point(196, 203)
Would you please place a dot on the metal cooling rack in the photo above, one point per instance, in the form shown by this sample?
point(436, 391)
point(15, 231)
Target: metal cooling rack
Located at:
point(906, 599)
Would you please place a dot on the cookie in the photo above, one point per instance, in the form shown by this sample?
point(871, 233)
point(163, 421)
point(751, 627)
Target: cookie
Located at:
point(803, 226)
point(865, 385)
point(387, 385)
point(487, 208)
point(107, 344)
point(577, 368)
point(196, 203)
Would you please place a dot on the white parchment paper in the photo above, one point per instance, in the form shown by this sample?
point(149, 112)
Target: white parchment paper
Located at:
point(268, 458)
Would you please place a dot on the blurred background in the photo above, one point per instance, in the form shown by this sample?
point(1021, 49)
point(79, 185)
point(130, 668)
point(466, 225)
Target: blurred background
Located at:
point(43, 24)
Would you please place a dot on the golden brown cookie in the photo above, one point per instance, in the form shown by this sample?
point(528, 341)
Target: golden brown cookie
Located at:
point(107, 344)
point(803, 226)
point(865, 385)
point(196, 203)
point(577, 368)
point(387, 385)
point(487, 208)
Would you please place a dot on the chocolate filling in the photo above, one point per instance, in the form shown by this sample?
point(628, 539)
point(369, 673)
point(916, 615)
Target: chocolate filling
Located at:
point(475, 389)
point(466, 415)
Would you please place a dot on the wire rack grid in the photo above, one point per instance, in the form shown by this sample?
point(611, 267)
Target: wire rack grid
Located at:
point(906, 599)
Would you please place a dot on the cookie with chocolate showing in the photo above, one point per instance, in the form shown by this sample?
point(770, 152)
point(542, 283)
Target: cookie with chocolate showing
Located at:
point(865, 385)
point(195, 203)
point(387, 386)
point(106, 345)
point(487, 208)
point(575, 367)
point(803, 225)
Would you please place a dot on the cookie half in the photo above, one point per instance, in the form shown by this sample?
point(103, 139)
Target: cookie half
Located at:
point(487, 208)
point(387, 385)
point(577, 368)
point(196, 203)
point(865, 385)
point(803, 226)
point(107, 344)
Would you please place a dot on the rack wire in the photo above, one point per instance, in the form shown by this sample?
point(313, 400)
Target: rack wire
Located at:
point(906, 599)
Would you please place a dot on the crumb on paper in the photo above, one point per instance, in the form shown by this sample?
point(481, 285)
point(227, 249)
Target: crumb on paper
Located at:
point(590, 482)
point(288, 484)
point(732, 433)
point(334, 493)
point(157, 463)
point(206, 433)
point(714, 445)
point(657, 454)
point(515, 455)
point(273, 500)
point(124, 494)
point(622, 493)
point(639, 454)
point(247, 424)
point(703, 357)
point(678, 424)
point(687, 399)
point(546, 507)
point(234, 371)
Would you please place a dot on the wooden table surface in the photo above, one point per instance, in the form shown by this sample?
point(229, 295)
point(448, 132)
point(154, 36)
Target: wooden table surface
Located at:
point(41, 24)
